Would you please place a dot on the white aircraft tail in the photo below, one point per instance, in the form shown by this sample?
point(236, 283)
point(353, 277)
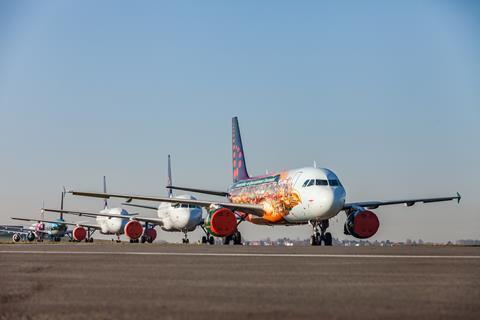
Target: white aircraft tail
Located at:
point(169, 179)
point(105, 203)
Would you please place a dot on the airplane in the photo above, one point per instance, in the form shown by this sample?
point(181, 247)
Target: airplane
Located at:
point(307, 195)
point(53, 230)
point(172, 217)
point(110, 221)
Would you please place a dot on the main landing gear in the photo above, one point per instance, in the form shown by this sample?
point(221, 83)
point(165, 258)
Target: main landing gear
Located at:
point(236, 238)
point(320, 235)
point(207, 238)
point(185, 237)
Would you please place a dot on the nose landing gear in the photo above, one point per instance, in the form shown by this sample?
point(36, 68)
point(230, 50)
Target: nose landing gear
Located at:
point(320, 234)
point(185, 237)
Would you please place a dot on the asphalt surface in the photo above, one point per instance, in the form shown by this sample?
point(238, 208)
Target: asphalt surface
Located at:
point(125, 281)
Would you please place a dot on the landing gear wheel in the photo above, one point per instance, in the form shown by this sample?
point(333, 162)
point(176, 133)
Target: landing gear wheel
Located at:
point(313, 240)
point(237, 238)
point(327, 238)
point(226, 240)
point(186, 241)
point(149, 240)
point(204, 240)
point(143, 239)
point(211, 240)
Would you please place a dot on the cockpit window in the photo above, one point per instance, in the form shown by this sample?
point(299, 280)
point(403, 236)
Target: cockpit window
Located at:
point(321, 182)
point(311, 183)
point(305, 183)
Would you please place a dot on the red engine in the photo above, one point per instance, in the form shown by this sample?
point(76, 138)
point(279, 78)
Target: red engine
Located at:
point(362, 224)
point(79, 234)
point(133, 229)
point(221, 222)
point(150, 235)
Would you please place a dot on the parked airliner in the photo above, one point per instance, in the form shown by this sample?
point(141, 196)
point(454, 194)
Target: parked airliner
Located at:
point(110, 221)
point(40, 230)
point(305, 195)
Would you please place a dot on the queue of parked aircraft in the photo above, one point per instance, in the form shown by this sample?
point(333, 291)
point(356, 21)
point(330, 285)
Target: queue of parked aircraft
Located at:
point(307, 195)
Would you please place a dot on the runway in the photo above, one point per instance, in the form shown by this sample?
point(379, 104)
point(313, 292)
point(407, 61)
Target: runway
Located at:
point(105, 281)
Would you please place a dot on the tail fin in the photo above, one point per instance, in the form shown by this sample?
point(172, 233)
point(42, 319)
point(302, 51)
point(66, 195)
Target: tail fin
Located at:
point(238, 157)
point(105, 204)
point(61, 205)
point(169, 179)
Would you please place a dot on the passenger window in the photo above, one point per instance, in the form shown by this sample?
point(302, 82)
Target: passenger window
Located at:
point(184, 205)
point(321, 182)
point(333, 183)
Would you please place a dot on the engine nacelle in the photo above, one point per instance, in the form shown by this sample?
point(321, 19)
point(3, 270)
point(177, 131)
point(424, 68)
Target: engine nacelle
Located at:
point(221, 222)
point(31, 236)
point(133, 229)
point(16, 237)
point(79, 233)
point(362, 224)
point(150, 234)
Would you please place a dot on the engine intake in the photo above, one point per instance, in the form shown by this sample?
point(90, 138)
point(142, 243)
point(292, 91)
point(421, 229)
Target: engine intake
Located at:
point(79, 233)
point(133, 229)
point(362, 224)
point(221, 222)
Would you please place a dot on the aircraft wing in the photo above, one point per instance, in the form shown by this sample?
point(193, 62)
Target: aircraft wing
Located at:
point(256, 210)
point(139, 206)
point(109, 215)
point(408, 203)
point(81, 224)
point(212, 192)
point(10, 230)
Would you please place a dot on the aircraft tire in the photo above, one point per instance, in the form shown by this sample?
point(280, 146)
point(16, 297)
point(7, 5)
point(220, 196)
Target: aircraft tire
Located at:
point(204, 240)
point(328, 239)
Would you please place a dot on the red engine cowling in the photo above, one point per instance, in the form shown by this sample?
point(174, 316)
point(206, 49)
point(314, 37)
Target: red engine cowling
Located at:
point(362, 224)
point(79, 233)
point(150, 234)
point(133, 229)
point(221, 222)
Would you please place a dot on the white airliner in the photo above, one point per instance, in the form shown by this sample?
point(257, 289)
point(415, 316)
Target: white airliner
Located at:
point(299, 196)
point(173, 217)
point(110, 221)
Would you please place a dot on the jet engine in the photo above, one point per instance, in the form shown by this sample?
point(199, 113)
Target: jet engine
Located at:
point(16, 237)
point(221, 222)
point(133, 229)
point(31, 236)
point(150, 235)
point(79, 234)
point(361, 224)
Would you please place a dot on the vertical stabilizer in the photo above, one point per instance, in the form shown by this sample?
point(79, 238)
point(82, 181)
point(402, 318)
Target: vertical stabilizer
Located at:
point(105, 204)
point(238, 157)
point(61, 205)
point(169, 179)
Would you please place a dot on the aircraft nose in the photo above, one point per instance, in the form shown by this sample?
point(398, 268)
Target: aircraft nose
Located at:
point(332, 200)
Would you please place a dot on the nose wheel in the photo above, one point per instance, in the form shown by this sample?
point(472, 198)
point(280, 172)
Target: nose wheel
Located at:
point(185, 238)
point(320, 235)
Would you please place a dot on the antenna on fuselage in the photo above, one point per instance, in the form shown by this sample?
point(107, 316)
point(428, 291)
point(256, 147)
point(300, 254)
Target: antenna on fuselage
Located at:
point(169, 178)
point(105, 203)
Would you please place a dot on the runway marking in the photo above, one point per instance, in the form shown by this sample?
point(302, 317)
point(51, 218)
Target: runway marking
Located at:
point(209, 254)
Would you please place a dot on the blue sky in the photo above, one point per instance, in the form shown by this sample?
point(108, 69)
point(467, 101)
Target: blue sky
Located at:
point(385, 94)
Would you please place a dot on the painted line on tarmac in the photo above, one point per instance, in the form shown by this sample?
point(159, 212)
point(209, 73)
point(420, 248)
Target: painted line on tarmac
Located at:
point(209, 254)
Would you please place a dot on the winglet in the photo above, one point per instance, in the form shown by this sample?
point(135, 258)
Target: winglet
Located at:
point(459, 197)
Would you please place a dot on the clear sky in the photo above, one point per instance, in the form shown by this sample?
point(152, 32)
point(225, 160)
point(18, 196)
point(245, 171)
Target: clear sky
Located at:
point(386, 94)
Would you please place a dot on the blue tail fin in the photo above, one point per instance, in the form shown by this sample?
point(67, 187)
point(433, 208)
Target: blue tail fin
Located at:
point(238, 157)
